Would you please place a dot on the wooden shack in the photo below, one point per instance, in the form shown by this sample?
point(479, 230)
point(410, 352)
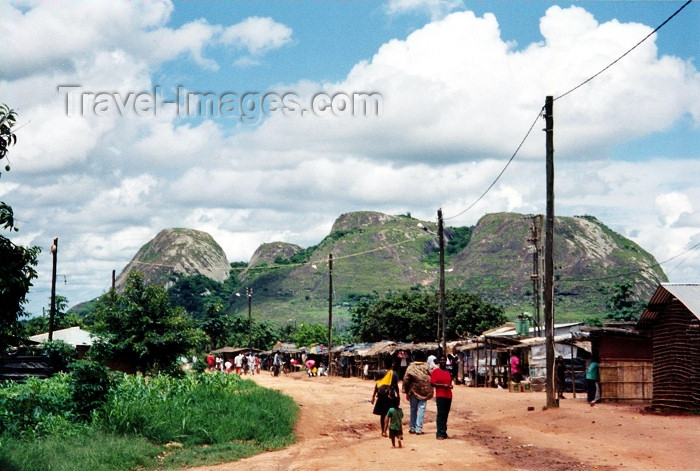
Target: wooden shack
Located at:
point(673, 317)
point(626, 363)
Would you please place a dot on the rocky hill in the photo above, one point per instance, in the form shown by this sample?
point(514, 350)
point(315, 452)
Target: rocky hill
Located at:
point(375, 253)
point(378, 253)
point(178, 251)
point(588, 259)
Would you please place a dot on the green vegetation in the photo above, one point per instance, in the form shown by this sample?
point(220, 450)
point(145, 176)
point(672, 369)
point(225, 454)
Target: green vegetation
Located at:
point(142, 329)
point(304, 255)
point(17, 267)
point(412, 316)
point(196, 420)
point(621, 305)
point(458, 239)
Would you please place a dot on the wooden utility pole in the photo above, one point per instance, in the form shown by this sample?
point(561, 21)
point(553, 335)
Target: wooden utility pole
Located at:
point(535, 277)
point(549, 252)
point(114, 279)
point(443, 317)
point(52, 312)
point(330, 310)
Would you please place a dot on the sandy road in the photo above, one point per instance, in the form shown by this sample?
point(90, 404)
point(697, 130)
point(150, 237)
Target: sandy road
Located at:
point(489, 429)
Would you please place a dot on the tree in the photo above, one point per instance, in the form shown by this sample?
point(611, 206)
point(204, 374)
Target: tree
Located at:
point(196, 294)
point(214, 325)
point(311, 334)
point(413, 316)
point(141, 328)
point(621, 306)
point(262, 334)
point(17, 268)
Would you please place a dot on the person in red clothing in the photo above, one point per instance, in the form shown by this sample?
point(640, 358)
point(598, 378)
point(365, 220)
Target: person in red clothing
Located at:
point(441, 380)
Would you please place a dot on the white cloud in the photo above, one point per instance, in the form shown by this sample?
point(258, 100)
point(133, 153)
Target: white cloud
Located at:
point(454, 90)
point(672, 206)
point(436, 9)
point(457, 101)
point(257, 35)
point(138, 28)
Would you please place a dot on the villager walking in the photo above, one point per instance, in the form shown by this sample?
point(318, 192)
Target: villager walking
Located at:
point(394, 422)
point(416, 385)
point(560, 369)
point(385, 396)
point(441, 380)
point(593, 381)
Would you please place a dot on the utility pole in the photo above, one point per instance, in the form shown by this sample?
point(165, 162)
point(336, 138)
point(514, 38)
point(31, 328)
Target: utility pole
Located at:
point(114, 279)
point(443, 317)
point(52, 312)
point(549, 252)
point(249, 293)
point(330, 309)
point(535, 277)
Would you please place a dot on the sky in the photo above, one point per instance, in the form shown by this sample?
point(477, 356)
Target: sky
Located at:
point(262, 121)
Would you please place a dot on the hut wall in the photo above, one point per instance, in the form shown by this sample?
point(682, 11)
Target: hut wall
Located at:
point(693, 333)
point(676, 359)
point(626, 380)
point(626, 366)
point(624, 348)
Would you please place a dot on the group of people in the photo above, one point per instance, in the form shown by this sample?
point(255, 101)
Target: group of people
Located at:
point(243, 363)
point(592, 379)
point(420, 383)
point(313, 370)
point(424, 379)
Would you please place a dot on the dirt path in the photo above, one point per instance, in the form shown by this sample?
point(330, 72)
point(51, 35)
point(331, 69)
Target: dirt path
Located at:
point(489, 429)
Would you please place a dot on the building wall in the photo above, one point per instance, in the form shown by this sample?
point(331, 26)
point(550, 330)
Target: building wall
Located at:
point(676, 359)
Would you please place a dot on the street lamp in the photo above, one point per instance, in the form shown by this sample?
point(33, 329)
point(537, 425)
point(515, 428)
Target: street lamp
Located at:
point(249, 293)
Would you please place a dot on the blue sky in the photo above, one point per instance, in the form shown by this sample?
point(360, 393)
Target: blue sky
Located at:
point(460, 83)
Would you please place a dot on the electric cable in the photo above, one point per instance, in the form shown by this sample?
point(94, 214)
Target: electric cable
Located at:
point(563, 95)
point(623, 55)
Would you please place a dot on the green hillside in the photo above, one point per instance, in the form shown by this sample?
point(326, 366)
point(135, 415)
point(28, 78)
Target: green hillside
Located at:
point(374, 253)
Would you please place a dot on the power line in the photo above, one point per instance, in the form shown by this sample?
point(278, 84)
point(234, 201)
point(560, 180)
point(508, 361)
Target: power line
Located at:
point(502, 171)
point(636, 271)
point(293, 265)
point(561, 96)
point(623, 55)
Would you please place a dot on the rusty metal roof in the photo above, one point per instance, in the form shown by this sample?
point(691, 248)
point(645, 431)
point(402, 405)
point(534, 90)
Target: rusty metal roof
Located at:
point(687, 293)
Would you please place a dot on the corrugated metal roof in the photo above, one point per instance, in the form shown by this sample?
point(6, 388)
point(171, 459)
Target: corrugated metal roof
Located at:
point(74, 336)
point(687, 293)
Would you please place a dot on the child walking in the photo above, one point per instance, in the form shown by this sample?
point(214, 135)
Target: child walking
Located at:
point(394, 423)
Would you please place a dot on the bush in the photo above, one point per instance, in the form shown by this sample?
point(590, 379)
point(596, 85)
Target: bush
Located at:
point(60, 354)
point(36, 407)
point(90, 383)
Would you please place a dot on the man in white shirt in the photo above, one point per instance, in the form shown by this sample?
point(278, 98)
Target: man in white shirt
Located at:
point(431, 361)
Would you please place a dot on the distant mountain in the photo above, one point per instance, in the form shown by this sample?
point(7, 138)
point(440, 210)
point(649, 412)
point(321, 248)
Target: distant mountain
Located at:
point(589, 258)
point(375, 253)
point(378, 253)
point(178, 252)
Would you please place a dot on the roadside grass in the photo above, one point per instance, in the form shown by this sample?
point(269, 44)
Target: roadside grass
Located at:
point(145, 423)
point(94, 451)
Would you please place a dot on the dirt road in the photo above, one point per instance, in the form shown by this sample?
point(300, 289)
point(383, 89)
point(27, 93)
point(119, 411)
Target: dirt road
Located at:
point(489, 429)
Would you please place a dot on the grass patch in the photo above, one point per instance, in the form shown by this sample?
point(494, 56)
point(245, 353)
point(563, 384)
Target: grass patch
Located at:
point(95, 451)
point(145, 423)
